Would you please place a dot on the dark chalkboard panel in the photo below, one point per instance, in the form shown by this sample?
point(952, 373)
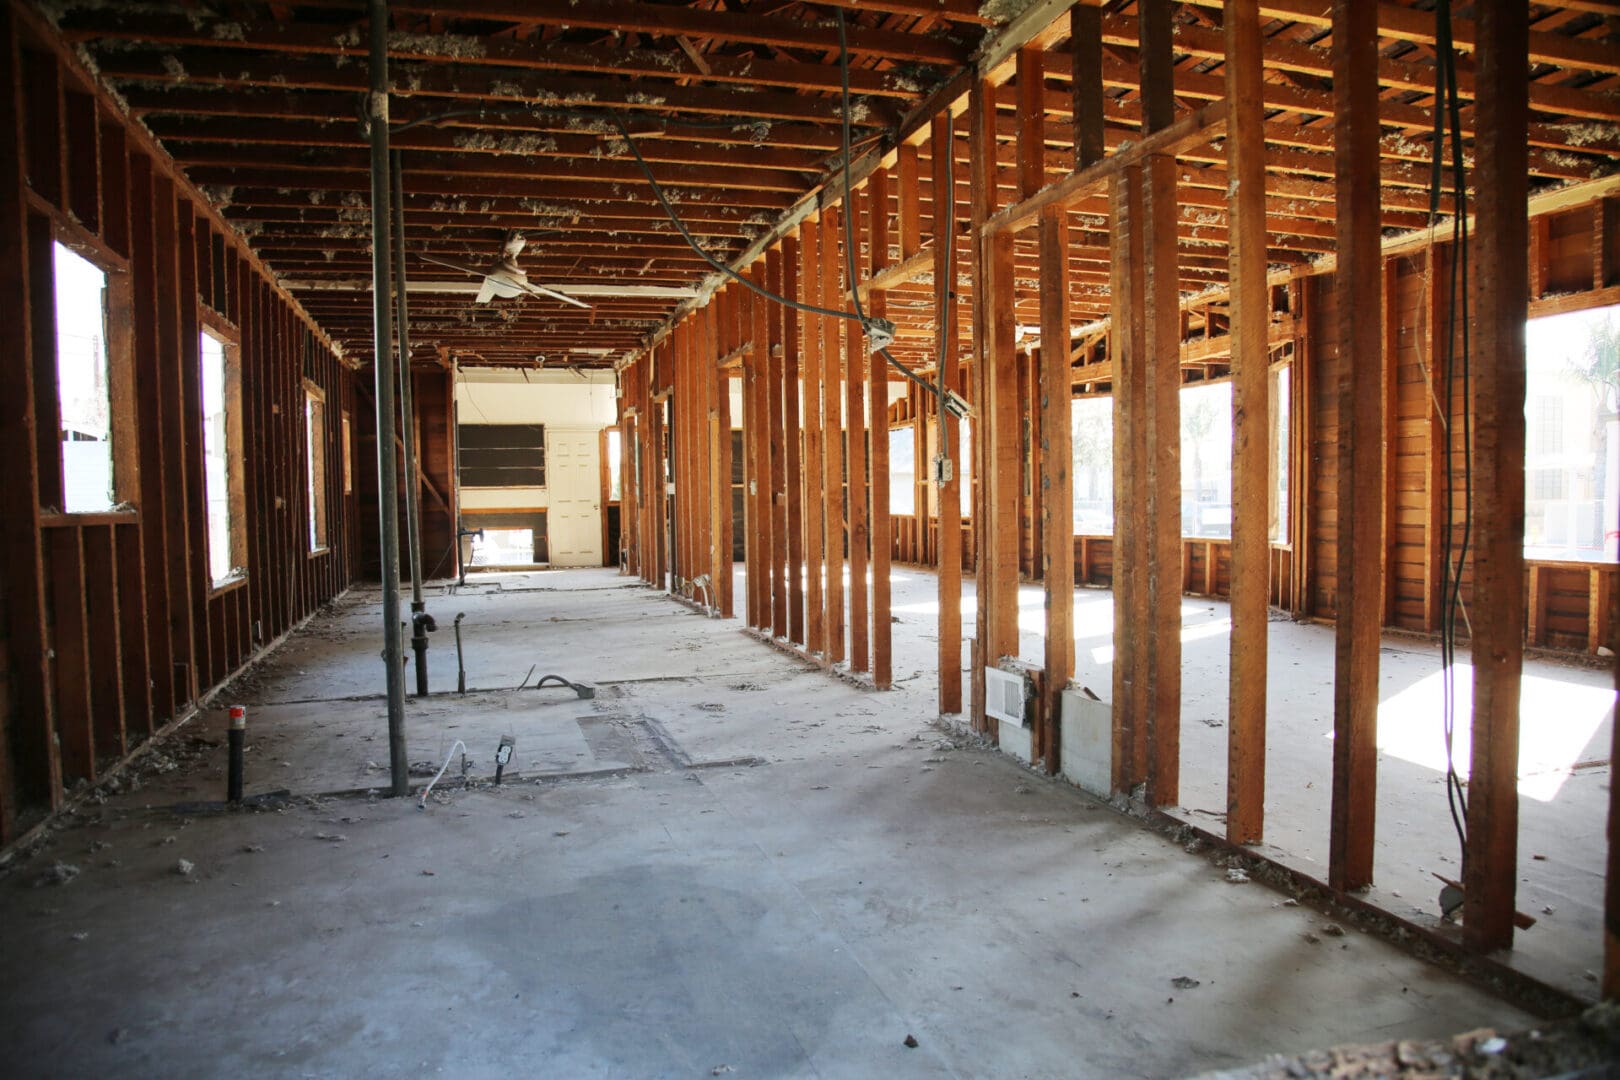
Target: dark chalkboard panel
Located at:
point(503, 455)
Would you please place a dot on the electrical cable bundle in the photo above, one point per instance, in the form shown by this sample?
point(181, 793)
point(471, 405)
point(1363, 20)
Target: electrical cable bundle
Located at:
point(1448, 122)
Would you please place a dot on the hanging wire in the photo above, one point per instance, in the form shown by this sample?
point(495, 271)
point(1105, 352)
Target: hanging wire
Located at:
point(849, 197)
point(869, 325)
point(885, 327)
point(1448, 120)
point(691, 241)
point(877, 329)
point(787, 301)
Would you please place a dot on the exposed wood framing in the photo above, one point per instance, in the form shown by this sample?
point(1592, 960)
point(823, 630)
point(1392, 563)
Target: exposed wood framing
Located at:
point(941, 140)
point(879, 525)
point(811, 237)
point(1001, 454)
point(776, 505)
point(1056, 485)
point(112, 629)
point(869, 217)
point(1358, 295)
point(1251, 430)
point(757, 581)
point(832, 446)
point(792, 395)
point(982, 168)
point(720, 432)
point(1178, 182)
point(1127, 345)
point(1499, 309)
point(1162, 349)
point(1051, 389)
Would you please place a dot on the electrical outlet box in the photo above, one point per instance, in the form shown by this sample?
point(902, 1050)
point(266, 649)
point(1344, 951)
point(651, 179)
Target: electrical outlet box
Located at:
point(944, 470)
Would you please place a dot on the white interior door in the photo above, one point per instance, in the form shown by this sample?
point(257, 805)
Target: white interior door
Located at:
point(574, 511)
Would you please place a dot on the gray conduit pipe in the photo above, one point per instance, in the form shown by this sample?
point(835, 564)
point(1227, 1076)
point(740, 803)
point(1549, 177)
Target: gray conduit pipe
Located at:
point(381, 342)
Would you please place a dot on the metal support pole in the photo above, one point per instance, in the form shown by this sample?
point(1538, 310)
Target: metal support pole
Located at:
point(461, 566)
point(421, 621)
point(461, 668)
point(236, 740)
point(382, 339)
point(407, 407)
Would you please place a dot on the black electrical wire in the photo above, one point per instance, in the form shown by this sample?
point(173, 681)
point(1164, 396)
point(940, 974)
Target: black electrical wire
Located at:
point(849, 222)
point(435, 118)
point(810, 309)
point(1448, 120)
point(618, 120)
point(849, 197)
point(691, 241)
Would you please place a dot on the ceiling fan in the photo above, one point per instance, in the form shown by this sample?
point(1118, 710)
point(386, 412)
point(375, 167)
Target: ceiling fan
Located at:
point(505, 278)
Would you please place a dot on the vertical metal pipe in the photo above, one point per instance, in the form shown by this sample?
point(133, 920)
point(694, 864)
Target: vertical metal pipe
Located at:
point(382, 340)
point(236, 740)
point(455, 472)
point(407, 407)
point(421, 622)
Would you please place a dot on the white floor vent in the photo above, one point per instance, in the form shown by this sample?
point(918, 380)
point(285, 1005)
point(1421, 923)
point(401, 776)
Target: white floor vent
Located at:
point(1006, 696)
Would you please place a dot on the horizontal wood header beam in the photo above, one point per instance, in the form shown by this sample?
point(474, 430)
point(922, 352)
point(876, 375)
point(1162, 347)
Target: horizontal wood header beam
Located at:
point(1193, 129)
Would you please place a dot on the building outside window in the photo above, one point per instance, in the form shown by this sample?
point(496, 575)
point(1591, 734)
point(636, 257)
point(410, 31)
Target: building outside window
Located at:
point(1091, 428)
point(222, 458)
point(902, 471)
point(1572, 437)
point(1206, 460)
point(1281, 405)
point(315, 458)
point(83, 400)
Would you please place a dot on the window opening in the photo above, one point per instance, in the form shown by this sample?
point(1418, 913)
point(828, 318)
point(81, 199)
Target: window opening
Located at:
point(1206, 460)
point(315, 456)
point(503, 547)
point(222, 459)
point(1091, 428)
point(348, 457)
point(1572, 436)
point(83, 400)
point(964, 465)
point(902, 471)
point(1281, 404)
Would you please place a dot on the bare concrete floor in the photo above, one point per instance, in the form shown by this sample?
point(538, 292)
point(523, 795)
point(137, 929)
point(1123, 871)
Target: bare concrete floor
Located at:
point(724, 863)
point(1567, 715)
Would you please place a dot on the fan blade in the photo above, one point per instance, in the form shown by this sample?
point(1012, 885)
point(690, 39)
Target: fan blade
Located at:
point(541, 290)
point(487, 293)
point(450, 265)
